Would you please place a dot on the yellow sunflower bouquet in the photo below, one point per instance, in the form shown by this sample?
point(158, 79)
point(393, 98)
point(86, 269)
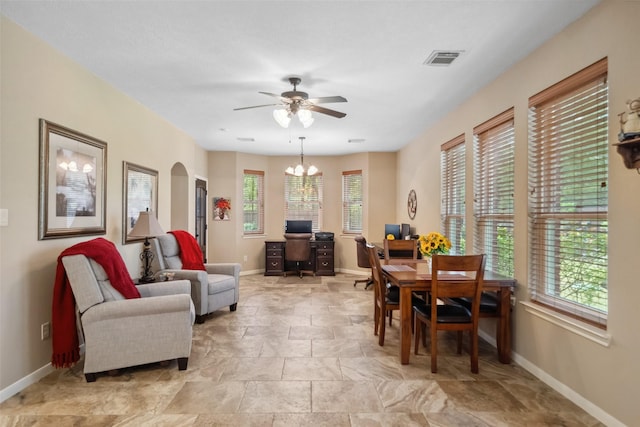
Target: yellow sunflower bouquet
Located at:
point(433, 243)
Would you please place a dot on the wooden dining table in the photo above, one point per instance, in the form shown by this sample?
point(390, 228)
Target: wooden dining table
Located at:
point(417, 277)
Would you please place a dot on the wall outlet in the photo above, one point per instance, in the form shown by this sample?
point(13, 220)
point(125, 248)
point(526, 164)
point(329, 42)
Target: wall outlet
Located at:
point(513, 300)
point(45, 331)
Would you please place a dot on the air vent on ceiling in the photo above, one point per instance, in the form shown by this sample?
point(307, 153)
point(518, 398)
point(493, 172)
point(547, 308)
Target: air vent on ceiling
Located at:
point(242, 139)
point(442, 57)
point(355, 140)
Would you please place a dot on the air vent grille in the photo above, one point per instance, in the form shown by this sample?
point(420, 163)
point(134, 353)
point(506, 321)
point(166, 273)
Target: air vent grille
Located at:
point(442, 57)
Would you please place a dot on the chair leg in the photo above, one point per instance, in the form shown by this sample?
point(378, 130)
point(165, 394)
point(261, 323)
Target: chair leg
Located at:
point(434, 349)
point(376, 319)
point(233, 307)
point(182, 363)
point(474, 352)
point(382, 327)
point(90, 377)
point(417, 334)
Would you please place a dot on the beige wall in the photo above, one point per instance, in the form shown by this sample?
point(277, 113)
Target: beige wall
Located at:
point(605, 376)
point(38, 82)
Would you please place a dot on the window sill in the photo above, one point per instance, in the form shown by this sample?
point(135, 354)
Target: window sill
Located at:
point(254, 236)
point(587, 331)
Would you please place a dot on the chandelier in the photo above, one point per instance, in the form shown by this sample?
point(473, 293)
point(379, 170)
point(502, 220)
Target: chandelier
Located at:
point(283, 115)
point(300, 169)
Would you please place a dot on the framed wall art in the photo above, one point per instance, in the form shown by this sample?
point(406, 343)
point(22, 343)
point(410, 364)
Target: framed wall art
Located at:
point(140, 193)
point(72, 183)
point(221, 208)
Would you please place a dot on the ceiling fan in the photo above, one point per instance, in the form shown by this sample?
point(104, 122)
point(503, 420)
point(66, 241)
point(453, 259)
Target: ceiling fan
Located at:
point(298, 103)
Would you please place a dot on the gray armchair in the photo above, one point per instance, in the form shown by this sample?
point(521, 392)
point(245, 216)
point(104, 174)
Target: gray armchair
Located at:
point(119, 332)
point(211, 290)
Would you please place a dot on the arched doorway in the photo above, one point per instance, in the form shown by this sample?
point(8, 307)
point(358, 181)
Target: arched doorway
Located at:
point(179, 197)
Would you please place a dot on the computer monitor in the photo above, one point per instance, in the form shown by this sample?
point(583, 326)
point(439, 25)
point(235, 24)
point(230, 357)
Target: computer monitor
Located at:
point(297, 226)
point(392, 229)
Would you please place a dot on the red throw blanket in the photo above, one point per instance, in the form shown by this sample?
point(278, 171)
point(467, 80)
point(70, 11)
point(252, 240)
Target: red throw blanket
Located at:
point(190, 253)
point(63, 318)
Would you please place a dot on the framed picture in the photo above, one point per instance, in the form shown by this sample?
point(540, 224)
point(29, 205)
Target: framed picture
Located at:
point(221, 208)
point(73, 180)
point(140, 193)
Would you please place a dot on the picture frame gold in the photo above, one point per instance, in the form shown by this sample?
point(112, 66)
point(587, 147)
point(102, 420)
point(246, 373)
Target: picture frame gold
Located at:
point(72, 183)
point(139, 193)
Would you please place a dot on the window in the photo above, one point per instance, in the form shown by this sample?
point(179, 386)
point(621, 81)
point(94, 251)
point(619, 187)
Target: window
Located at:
point(452, 164)
point(253, 202)
point(352, 201)
point(493, 192)
point(568, 201)
point(303, 198)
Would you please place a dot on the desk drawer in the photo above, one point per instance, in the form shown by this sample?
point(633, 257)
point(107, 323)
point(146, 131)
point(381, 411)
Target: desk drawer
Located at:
point(274, 265)
point(274, 245)
point(324, 266)
point(324, 246)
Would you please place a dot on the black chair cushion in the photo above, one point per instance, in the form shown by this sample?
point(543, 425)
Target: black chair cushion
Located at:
point(447, 313)
point(488, 302)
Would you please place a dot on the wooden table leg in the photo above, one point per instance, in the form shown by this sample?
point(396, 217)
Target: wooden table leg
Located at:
point(405, 324)
point(503, 333)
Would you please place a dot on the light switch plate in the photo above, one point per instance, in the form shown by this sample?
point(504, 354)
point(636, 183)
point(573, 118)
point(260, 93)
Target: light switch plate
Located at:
point(4, 217)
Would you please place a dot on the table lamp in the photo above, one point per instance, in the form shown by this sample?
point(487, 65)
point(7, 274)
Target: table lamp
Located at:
point(146, 226)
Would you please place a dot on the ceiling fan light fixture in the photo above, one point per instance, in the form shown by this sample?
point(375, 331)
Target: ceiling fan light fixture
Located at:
point(282, 116)
point(289, 170)
point(312, 170)
point(305, 118)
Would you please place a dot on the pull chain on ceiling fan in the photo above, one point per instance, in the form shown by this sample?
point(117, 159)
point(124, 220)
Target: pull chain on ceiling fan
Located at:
point(298, 103)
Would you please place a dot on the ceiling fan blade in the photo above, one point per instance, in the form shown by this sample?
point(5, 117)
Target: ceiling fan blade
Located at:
point(327, 111)
point(327, 99)
point(255, 106)
point(280, 97)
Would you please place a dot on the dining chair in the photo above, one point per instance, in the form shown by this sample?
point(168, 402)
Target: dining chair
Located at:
point(452, 276)
point(400, 251)
point(386, 298)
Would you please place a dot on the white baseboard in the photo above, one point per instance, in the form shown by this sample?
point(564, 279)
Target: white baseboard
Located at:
point(561, 388)
point(25, 382)
point(249, 272)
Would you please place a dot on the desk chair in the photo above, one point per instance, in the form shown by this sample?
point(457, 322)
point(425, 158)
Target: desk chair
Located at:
point(400, 251)
point(452, 317)
point(363, 260)
point(297, 248)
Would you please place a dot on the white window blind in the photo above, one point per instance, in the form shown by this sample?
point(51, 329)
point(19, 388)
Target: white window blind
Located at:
point(253, 202)
point(493, 192)
point(352, 201)
point(452, 165)
point(568, 201)
point(303, 198)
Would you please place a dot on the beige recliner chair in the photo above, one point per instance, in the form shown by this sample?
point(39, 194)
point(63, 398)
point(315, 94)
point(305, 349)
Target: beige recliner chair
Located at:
point(211, 290)
point(119, 332)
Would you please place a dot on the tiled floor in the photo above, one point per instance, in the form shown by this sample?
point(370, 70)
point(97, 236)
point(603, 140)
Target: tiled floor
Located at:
point(298, 352)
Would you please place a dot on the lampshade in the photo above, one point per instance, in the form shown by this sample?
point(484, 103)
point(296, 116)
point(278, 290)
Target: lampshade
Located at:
point(283, 117)
point(305, 118)
point(146, 226)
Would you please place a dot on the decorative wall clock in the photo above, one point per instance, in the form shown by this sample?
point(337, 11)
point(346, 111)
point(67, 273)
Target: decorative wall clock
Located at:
point(412, 204)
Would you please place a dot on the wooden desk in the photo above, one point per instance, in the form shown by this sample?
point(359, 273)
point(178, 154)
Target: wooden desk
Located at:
point(321, 261)
point(408, 279)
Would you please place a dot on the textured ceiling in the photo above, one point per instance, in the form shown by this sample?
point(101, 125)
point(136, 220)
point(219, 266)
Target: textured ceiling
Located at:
point(193, 62)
